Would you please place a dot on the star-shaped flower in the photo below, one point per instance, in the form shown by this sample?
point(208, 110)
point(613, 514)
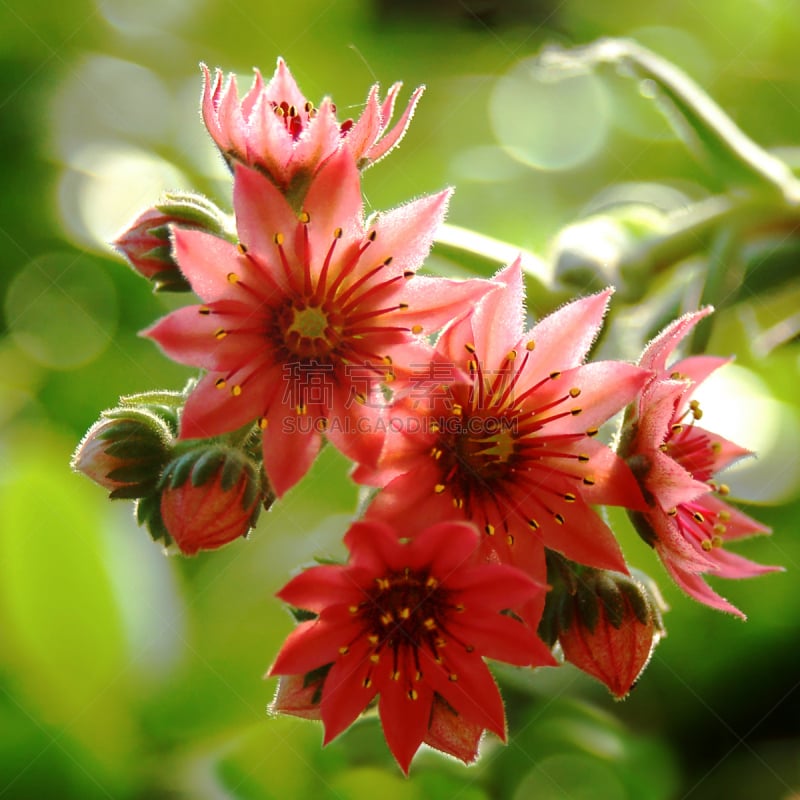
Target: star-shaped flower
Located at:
point(500, 432)
point(409, 622)
point(302, 321)
point(277, 130)
point(687, 520)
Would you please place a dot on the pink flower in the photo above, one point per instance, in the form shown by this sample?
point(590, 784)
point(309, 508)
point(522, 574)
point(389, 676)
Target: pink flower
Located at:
point(687, 520)
point(409, 622)
point(303, 320)
point(500, 432)
point(276, 129)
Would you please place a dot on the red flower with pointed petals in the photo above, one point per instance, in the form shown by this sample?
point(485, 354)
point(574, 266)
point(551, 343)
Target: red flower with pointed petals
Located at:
point(409, 622)
point(686, 521)
point(276, 129)
point(505, 439)
point(302, 321)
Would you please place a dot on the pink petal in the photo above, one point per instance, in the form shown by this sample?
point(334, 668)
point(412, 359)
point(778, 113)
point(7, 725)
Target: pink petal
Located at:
point(669, 484)
point(261, 214)
point(696, 587)
point(731, 565)
point(738, 524)
point(432, 302)
point(209, 104)
point(282, 87)
point(494, 325)
point(393, 137)
point(211, 411)
point(206, 261)
point(563, 338)
point(252, 96)
point(231, 121)
point(613, 482)
point(188, 336)
point(356, 429)
point(697, 368)
point(318, 142)
point(657, 352)
point(406, 233)
point(362, 135)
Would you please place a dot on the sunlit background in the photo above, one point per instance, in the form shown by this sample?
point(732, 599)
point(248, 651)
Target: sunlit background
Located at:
point(126, 674)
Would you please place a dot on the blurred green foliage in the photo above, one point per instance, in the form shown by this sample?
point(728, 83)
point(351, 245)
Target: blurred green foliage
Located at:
point(128, 675)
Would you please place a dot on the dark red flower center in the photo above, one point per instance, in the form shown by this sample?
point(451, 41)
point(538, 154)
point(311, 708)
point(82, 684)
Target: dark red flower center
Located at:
point(406, 612)
point(495, 453)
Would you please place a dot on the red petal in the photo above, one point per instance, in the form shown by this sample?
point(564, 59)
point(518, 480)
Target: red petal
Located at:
point(313, 644)
point(696, 587)
point(493, 587)
point(446, 548)
point(318, 587)
point(290, 444)
point(502, 638)
point(405, 721)
point(451, 733)
point(344, 695)
point(472, 693)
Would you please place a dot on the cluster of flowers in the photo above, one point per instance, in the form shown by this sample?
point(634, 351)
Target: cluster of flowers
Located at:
point(478, 435)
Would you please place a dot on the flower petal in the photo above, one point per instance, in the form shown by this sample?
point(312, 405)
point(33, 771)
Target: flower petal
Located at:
point(315, 588)
point(503, 638)
point(657, 352)
point(405, 714)
point(290, 447)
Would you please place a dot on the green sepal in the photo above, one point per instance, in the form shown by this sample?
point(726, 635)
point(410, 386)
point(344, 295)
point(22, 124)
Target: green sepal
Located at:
point(148, 515)
point(301, 614)
point(612, 599)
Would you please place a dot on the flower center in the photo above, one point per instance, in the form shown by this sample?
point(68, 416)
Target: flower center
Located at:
point(309, 331)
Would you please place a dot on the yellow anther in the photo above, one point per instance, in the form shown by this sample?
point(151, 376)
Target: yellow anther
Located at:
point(574, 391)
point(554, 375)
point(559, 518)
point(405, 613)
point(375, 658)
point(220, 333)
point(439, 488)
point(278, 239)
point(232, 277)
point(530, 345)
point(220, 383)
point(204, 310)
point(344, 650)
point(416, 329)
point(305, 218)
point(489, 528)
point(236, 390)
point(430, 624)
point(533, 524)
point(469, 347)
point(387, 619)
point(569, 497)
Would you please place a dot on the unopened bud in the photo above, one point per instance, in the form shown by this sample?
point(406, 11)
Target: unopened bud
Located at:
point(124, 451)
point(614, 626)
point(146, 243)
point(209, 497)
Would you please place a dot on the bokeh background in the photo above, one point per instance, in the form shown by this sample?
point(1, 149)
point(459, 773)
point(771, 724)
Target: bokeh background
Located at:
point(127, 674)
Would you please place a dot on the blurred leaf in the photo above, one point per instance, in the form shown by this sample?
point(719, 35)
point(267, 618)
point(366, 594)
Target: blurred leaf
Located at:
point(698, 120)
point(63, 635)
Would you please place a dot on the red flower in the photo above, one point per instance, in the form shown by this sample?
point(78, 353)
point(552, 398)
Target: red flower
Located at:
point(687, 520)
point(275, 128)
point(409, 622)
point(500, 433)
point(303, 320)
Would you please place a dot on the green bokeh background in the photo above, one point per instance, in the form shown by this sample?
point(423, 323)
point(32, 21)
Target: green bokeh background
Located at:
point(125, 674)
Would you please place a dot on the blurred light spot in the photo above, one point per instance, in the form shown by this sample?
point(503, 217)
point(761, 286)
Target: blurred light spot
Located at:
point(61, 310)
point(145, 16)
point(485, 165)
point(634, 111)
point(107, 98)
point(662, 197)
point(572, 776)
point(738, 405)
point(549, 117)
point(108, 186)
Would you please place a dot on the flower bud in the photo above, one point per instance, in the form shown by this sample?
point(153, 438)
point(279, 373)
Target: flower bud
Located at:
point(146, 243)
point(609, 627)
point(209, 497)
point(124, 451)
